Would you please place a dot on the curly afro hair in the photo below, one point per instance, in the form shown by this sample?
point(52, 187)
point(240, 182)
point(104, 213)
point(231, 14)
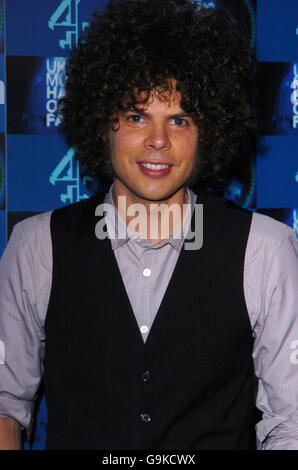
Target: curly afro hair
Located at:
point(136, 46)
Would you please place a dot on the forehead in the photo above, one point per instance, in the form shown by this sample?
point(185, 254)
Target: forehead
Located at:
point(159, 100)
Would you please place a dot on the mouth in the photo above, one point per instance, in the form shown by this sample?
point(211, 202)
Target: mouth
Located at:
point(154, 166)
point(155, 169)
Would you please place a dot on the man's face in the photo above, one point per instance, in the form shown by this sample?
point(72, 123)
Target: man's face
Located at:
point(153, 150)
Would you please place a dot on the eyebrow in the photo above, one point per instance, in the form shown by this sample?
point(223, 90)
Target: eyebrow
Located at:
point(148, 115)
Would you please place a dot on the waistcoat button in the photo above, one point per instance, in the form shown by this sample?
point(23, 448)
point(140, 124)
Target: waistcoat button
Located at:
point(146, 376)
point(145, 417)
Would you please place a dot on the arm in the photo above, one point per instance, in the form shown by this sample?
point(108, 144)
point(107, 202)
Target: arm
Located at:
point(275, 354)
point(10, 434)
point(23, 302)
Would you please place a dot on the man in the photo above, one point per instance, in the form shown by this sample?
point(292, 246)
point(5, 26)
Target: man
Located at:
point(143, 343)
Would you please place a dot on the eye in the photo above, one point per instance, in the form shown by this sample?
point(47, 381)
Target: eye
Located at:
point(135, 119)
point(179, 122)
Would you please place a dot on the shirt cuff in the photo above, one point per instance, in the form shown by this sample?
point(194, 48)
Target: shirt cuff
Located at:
point(19, 410)
point(283, 436)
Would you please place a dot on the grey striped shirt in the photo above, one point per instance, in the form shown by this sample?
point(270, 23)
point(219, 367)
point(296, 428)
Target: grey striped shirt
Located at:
point(270, 287)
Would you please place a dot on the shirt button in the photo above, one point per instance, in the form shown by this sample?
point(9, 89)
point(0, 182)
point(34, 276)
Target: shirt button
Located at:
point(144, 329)
point(147, 272)
point(145, 417)
point(146, 376)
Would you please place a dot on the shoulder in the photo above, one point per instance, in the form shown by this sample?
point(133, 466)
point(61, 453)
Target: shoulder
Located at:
point(269, 230)
point(270, 242)
point(263, 229)
point(76, 217)
point(221, 207)
point(81, 207)
point(26, 264)
point(31, 227)
point(30, 244)
point(39, 225)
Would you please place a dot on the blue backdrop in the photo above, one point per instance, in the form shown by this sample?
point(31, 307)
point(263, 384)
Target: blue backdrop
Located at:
point(38, 171)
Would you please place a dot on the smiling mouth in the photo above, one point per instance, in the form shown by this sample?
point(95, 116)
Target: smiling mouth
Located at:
point(154, 166)
point(155, 169)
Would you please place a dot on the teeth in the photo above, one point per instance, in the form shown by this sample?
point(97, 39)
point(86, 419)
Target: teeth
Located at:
point(153, 166)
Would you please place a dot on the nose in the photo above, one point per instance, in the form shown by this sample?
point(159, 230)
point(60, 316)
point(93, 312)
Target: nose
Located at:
point(157, 138)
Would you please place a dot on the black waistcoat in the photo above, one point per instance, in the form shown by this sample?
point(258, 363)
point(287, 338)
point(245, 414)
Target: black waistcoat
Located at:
point(200, 390)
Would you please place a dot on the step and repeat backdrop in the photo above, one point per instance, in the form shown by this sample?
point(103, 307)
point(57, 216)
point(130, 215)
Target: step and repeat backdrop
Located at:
point(38, 171)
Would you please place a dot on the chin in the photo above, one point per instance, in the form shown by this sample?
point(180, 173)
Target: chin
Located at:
point(149, 197)
point(158, 196)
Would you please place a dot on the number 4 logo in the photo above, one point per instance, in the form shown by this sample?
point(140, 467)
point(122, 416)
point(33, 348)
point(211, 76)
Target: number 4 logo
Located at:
point(68, 171)
point(66, 15)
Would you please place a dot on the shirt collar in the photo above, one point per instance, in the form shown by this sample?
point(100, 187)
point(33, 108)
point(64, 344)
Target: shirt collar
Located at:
point(116, 225)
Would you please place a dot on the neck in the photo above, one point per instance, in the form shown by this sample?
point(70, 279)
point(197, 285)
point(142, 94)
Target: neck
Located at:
point(151, 219)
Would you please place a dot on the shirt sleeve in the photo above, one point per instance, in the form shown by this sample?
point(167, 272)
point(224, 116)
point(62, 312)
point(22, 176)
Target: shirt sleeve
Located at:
point(276, 351)
point(23, 303)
